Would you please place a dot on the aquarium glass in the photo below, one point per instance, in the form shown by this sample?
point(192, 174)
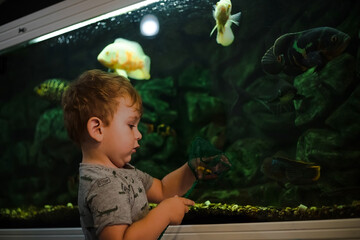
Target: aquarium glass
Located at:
point(281, 101)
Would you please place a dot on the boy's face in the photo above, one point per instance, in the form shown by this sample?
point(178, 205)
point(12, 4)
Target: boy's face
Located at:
point(122, 135)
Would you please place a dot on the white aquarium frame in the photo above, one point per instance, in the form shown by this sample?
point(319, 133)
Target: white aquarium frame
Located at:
point(57, 17)
point(70, 12)
point(290, 230)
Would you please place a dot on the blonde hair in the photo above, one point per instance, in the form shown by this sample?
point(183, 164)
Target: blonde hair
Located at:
point(95, 94)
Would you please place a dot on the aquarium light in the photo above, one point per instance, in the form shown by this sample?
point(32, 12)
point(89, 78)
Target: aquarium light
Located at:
point(93, 20)
point(149, 25)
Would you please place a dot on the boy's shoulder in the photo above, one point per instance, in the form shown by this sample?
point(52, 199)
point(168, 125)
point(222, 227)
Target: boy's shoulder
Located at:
point(93, 175)
point(93, 172)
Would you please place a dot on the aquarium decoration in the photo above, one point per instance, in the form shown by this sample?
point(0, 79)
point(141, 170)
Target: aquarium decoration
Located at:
point(201, 213)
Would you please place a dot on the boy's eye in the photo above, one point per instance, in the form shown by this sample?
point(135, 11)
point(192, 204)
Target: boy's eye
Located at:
point(131, 126)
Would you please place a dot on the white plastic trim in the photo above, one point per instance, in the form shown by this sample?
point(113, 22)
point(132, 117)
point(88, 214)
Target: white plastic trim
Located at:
point(290, 230)
point(56, 17)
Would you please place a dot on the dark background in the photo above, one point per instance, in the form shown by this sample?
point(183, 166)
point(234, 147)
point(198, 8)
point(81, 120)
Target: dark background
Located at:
point(11, 10)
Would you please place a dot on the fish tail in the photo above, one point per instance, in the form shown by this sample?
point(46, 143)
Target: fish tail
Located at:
point(146, 69)
point(235, 18)
point(225, 38)
point(147, 63)
point(316, 173)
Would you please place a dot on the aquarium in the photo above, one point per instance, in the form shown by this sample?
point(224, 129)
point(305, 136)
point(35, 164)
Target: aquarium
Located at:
point(274, 85)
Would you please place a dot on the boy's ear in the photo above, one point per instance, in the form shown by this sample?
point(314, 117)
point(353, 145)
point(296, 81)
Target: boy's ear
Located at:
point(94, 127)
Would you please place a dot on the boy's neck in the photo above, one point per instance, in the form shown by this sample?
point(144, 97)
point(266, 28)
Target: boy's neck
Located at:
point(93, 156)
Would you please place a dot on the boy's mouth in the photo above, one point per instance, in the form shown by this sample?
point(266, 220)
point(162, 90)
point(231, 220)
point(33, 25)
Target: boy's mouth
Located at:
point(135, 149)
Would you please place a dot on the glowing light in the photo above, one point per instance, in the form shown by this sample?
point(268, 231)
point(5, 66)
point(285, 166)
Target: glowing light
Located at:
point(149, 25)
point(93, 20)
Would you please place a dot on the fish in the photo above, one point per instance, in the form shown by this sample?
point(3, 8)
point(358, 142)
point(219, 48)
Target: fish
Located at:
point(126, 58)
point(285, 170)
point(52, 89)
point(278, 102)
point(295, 53)
point(285, 94)
point(224, 19)
point(165, 130)
point(284, 99)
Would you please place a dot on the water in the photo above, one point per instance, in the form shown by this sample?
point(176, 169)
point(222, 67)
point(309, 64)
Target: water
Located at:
point(198, 88)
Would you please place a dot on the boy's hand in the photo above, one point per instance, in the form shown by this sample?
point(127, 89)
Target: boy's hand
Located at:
point(175, 208)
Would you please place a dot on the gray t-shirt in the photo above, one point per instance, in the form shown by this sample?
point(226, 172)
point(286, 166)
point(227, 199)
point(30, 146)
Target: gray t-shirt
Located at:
point(111, 196)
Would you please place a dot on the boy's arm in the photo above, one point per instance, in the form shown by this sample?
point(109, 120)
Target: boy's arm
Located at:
point(177, 182)
point(169, 211)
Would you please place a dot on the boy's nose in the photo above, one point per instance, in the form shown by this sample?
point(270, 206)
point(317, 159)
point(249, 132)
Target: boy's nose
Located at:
point(138, 135)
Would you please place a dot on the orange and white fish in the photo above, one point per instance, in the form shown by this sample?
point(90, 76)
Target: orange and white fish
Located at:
point(126, 58)
point(224, 19)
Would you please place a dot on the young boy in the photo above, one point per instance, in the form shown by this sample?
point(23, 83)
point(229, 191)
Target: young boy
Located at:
point(101, 113)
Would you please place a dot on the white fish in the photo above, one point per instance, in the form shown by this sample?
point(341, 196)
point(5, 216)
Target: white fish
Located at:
point(224, 19)
point(127, 58)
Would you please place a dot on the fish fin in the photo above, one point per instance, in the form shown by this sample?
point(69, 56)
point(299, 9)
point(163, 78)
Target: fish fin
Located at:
point(212, 31)
point(225, 38)
point(130, 45)
point(139, 74)
point(313, 59)
point(282, 155)
point(121, 72)
point(235, 18)
point(269, 62)
point(283, 43)
point(120, 40)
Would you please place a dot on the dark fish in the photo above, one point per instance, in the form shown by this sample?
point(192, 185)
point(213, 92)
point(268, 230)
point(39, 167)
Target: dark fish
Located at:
point(295, 53)
point(285, 170)
point(286, 94)
point(283, 101)
point(52, 89)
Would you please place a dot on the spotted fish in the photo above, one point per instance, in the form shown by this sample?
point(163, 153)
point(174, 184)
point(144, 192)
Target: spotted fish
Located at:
point(295, 53)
